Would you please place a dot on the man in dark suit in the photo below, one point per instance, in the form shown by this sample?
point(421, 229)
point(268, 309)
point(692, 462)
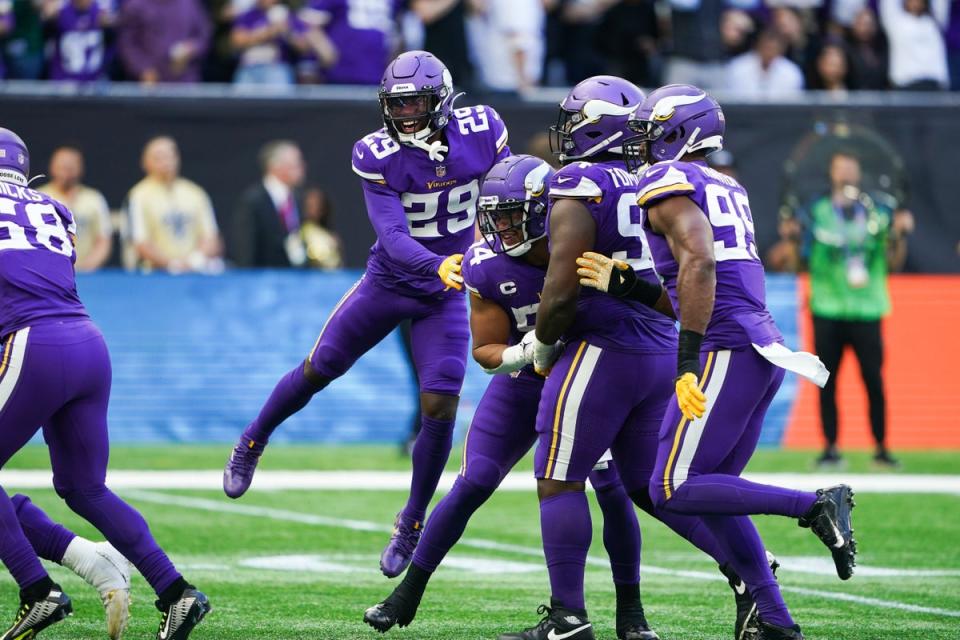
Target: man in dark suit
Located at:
point(266, 222)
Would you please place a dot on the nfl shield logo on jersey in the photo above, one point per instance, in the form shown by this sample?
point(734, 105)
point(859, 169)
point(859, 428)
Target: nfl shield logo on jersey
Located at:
point(441, 170)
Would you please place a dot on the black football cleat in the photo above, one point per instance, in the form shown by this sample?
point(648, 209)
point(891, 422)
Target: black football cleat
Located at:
point(632, 624)
point(398, 609)
point(829, 518)
point(882, 459)
point(747, 624)
point(34, 617)
point(773, 632)
point(557, 624)
point(182, 615)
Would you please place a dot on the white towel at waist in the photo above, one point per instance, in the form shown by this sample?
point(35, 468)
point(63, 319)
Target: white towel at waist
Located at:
point(800, 362)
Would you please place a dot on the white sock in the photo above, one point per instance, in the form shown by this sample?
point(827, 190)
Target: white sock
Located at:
point(80, 557)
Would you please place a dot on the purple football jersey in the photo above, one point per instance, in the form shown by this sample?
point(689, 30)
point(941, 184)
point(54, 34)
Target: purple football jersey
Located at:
point(740, 315)
point(608, 191)
point(78, 51)
point(424, 210)
point(362, 31)
point(513, 283)
point(36, 259)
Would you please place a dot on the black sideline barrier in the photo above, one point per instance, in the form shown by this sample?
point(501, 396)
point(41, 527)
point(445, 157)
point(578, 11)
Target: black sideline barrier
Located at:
point(219, 138)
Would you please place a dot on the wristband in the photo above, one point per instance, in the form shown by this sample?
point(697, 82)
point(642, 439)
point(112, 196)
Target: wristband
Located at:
point(688, 352)
point(644, 291)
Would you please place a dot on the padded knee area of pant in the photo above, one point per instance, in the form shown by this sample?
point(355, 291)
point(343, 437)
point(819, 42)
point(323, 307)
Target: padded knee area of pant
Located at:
point(329, 361)
point(483, 473)
point(447, 373)
point(19, 500)
point(469, 496)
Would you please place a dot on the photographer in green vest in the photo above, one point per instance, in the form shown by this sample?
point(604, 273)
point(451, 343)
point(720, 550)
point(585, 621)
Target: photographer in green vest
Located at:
point(850, 243)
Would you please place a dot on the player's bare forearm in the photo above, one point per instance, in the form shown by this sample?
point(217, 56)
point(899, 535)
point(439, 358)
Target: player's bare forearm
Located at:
point(572, 232)
point(490, 329)
point(664, 306)
point(690, 238)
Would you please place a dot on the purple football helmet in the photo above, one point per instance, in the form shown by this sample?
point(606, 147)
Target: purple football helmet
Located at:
point(513, 204)
point(673, 121)
point(416, 96)
point(14, 158)
point(593, 118)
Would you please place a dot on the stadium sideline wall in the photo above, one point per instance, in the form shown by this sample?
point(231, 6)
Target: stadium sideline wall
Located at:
point(194, 357)
point(219, 138)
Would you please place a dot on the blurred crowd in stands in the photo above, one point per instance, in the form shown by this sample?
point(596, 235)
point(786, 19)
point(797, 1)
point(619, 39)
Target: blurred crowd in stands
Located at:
point(167, 222)
point(505, 46)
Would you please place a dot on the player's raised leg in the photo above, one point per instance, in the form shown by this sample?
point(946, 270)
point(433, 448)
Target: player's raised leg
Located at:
point(699, 461)
point(500, 434)
point(79, 448)
point(439, 339)
point(25, 403)
point(363, 317)
point(102, 566)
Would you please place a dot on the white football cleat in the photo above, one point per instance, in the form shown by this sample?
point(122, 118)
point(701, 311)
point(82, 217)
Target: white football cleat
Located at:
point(106, 570)
point(110, 576)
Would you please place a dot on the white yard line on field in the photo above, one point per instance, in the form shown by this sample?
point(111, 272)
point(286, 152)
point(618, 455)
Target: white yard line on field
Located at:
point(400, 480)
point(222, 506)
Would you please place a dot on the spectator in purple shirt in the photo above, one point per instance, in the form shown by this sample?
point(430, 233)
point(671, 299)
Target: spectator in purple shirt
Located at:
point(353, 39)
point(6, 26)
point(269, 38)
point(163, 40)
point(77, 29)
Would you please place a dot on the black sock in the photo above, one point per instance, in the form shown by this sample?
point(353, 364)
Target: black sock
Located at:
point(628, 595)
point(172, 593)
point(555, 604)
point(38, 590)
point(415, 581)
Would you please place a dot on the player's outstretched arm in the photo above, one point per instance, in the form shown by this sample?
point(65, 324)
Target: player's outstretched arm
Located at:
point(690, 238)
point(618, 279)
point(390, 222)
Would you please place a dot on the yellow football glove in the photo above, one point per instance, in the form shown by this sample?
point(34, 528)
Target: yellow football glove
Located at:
point(615, 277)
point(449, 271)
point(690, 398)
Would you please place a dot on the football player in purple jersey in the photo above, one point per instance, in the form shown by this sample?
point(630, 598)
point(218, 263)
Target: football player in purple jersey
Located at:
point(55, 372)
point(421, 177)
point(730, 359)
point(605, 388)
point(504, 275)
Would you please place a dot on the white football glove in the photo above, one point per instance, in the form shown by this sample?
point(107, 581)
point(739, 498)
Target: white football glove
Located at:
point(544, 355)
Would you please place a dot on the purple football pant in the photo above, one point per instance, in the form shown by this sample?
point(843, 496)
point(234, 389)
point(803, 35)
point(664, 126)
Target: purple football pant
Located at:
point(367, 313)
point(58, 375)
point(502, 431)
point(48, 538)
point(699, 463)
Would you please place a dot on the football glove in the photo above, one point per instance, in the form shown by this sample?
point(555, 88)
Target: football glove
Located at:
point(616, 278)
point(545, 355)
point(449, 272)
point(690, 398)
point(516, 357)
point(611, 276)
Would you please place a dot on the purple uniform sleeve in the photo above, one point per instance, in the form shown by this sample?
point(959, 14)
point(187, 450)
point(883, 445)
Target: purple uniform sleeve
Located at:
point(665, 180)
point(474, 275)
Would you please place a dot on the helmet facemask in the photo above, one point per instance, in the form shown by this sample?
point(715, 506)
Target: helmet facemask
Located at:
point(509, 226)
point(413, 115)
